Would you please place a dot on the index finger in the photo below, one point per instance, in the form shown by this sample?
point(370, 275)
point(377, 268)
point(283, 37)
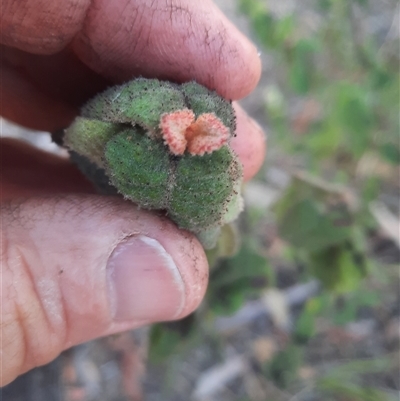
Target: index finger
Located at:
point(175, 40)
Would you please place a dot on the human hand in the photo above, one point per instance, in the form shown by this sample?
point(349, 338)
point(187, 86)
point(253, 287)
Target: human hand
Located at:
point(75, 265)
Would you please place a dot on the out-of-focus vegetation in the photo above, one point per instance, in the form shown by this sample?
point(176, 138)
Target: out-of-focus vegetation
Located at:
point(332, 109)
point(345, 137)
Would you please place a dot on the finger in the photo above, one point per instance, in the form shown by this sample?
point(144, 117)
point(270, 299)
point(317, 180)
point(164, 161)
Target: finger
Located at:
point(23, 102)
point(26, 171)
point(45, 92)
point(176, 40)
point(250, 143)
point(25, 25)
point(76, 268)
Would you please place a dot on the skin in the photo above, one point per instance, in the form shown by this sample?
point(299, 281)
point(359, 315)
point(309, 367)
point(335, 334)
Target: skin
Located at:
point(59, 229)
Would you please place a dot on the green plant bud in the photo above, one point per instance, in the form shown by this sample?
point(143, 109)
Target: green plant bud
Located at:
point(204, 186)
point(163, 146)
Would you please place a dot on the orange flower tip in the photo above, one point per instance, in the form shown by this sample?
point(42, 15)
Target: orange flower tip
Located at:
point(207, 134)
point(201, 145)
point(181, 131)
point(173, 128)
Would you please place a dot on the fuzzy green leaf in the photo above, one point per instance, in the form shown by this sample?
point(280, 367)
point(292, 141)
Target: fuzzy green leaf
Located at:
point(139, 168)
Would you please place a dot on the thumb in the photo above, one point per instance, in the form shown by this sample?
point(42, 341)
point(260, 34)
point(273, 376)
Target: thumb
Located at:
point(75, 268)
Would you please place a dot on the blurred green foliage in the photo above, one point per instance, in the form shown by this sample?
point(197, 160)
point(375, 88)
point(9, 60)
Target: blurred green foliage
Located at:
point(282, 370)
point(351, 77)
point(347, 86)
point(236, 279)
point(345, 380)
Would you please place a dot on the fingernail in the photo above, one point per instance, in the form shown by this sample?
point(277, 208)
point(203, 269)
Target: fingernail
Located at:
point(144, 282)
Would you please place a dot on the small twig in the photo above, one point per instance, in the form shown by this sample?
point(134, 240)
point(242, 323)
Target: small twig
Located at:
point(216, 378)
point(301, 392)
point(252, 310)
point(393, 30)
point(389, 223)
